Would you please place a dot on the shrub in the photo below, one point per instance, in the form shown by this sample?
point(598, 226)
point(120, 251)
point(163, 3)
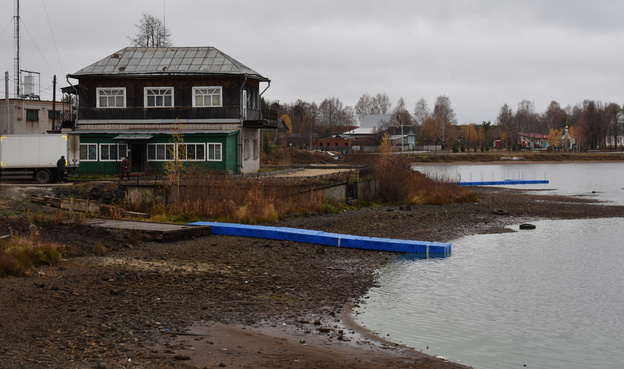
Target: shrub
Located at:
point(99, 249)
point(398, 183)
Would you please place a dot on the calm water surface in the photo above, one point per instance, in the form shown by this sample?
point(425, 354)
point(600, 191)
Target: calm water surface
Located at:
point(552, 297)
point(602, 181)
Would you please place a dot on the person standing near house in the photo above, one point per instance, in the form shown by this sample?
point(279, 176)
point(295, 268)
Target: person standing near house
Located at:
point(60, 169)
point(125, 168)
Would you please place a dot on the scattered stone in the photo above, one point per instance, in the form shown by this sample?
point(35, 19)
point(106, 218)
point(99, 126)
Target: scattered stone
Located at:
point(527, 226)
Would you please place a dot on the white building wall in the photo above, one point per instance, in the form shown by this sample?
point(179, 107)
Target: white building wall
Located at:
point(250, 150)
point(16, 122)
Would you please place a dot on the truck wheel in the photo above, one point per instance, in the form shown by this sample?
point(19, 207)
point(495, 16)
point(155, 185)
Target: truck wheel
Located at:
point(43, 176)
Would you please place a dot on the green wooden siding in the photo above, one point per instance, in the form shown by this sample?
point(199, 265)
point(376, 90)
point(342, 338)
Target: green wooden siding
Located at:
point(137, 149)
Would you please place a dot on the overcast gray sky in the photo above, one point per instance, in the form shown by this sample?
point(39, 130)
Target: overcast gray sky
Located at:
point(480, 53)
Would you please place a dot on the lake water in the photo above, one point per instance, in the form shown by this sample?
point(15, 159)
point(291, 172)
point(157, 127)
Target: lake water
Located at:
point(552, 297)
point(603, 181)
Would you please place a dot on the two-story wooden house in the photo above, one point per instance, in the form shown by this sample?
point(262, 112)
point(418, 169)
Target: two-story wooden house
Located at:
point(135, 103)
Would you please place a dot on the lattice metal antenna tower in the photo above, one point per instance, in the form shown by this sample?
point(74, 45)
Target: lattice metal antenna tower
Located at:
point(16, 37)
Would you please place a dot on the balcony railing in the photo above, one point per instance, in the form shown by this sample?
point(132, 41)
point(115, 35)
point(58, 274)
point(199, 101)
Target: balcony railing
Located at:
point(265, 118)
point(268, 119)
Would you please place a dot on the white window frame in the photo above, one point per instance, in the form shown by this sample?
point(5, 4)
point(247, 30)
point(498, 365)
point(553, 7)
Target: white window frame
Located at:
point(197, 89)
point(166, 90)
point(196, 145)
point(216, 149)
point(166, 152)
point(88, 145)
point(118, 147)
point(244, 105)
point(107, 91)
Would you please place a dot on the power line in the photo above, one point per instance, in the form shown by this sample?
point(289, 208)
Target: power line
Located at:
point(53, 38)
point(5, 28)
point(39, 50)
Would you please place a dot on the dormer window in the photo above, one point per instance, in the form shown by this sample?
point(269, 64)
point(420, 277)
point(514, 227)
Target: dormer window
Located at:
point(111, 97)
point(158, 97)
point(208, 96)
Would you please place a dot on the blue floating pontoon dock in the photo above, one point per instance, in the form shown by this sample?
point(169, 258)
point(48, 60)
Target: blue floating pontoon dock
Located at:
point(504, 183)
point(420, 248)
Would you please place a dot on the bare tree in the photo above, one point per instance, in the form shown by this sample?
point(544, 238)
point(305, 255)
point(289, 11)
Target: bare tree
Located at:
point(364, 106)
point(526, 118)
point(555, 116)
point(151, 33)
point(379, 104)
point(329, 111)
point(444, 116)
point(507, 126)
point(613, 113)
point(334, 116)
point(421, 112)
point(400, 115)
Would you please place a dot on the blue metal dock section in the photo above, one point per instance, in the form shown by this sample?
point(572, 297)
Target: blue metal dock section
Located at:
point(421, 248)
point(504, 183)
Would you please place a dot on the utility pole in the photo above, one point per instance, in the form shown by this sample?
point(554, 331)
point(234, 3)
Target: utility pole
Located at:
point(54, 105)
point(5, 127)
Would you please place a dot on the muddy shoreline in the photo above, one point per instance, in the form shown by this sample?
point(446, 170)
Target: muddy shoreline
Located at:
point(223, 301)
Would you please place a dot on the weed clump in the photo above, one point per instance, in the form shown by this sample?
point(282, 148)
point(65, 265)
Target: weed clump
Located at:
point(398, 183)
point(19, 256)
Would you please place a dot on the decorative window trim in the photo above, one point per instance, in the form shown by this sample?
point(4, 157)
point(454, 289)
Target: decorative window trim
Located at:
point(89, 148)
point(161, 152)
point(109, 93)
point(159, 98)
point(121, 151)
point(214, 152)
point(197, 93)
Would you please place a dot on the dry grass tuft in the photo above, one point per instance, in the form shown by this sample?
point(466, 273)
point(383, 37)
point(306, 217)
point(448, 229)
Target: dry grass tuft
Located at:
point(19, 256)
point(228, 199)
point(398, 183)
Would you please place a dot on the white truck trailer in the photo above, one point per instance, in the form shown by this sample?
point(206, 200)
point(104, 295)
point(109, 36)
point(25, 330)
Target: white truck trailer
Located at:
point(35, 156)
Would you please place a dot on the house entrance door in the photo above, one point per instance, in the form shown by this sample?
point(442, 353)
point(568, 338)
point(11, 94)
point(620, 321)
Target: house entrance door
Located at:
point(138, 156)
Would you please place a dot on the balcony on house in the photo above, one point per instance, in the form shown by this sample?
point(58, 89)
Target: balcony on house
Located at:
point(266, 118)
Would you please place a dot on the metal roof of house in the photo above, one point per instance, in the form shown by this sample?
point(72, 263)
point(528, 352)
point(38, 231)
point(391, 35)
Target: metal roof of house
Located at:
point(141, 61)
point(140, 134)
point(375, 120)
point(369, 125)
